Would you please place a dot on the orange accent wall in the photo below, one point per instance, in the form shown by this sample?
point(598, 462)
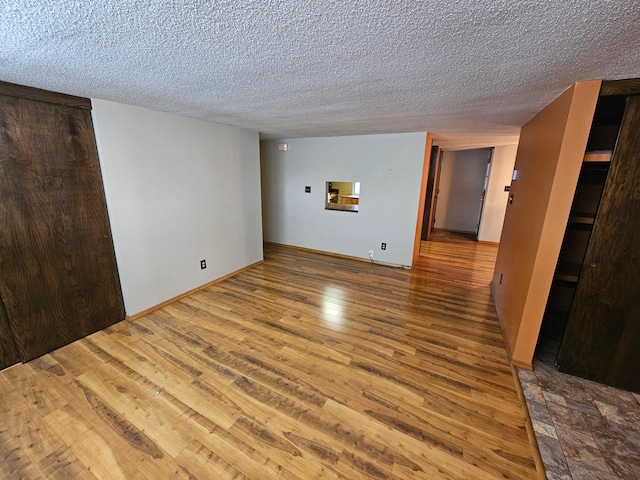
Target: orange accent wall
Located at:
point(423, 195)
point(550, 153)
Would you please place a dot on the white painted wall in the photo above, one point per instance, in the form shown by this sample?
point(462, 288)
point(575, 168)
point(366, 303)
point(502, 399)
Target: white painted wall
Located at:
point(462, 176)
point(389, 168)
point(178, 190)
point(495, 207)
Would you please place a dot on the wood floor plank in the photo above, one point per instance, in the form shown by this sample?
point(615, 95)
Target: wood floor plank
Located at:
point(130, 445)
point(200, 462)
point(90, 448)
point(146, 408)
point(305, 366)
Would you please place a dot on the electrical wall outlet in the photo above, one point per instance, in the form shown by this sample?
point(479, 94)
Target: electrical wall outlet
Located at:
point(383, 246)
point(203, 264)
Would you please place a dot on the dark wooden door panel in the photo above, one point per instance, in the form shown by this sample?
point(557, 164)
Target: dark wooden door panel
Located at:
point(58, 276)
point(427, 221)
point(8, 352)
point(603, 332)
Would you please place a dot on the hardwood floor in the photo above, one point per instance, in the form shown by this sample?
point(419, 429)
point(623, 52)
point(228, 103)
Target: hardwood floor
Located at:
point(307, 366)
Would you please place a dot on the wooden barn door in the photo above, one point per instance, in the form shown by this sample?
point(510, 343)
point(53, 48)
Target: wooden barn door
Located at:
point(8, 352)
point(58, 275)
point(602, 338)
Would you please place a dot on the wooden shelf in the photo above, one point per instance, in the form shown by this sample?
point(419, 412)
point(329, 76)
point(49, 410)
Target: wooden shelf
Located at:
point(567, 271)
point(598, 156)
point(582, 218)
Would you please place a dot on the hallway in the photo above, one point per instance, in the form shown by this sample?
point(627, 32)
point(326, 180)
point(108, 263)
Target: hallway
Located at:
point(584, 430)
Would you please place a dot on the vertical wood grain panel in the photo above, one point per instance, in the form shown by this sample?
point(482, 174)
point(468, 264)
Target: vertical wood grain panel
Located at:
point(30, 93)
point(58, 277)
point(429, 203)
point(629, 86)
point(601, 339)
point(8, 352)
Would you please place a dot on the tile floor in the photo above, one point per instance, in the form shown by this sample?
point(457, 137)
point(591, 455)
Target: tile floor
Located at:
point(585, 430)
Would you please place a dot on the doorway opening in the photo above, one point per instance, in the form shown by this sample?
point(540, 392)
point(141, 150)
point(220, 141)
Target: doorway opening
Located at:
point(456, 191)
point(466, 198)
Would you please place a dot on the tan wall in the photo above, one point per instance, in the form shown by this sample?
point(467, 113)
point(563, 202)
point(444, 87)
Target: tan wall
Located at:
point(423, 196)
point(548, 161)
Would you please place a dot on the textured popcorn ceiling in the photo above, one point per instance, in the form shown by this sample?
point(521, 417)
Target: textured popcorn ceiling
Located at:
point(313, 68)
